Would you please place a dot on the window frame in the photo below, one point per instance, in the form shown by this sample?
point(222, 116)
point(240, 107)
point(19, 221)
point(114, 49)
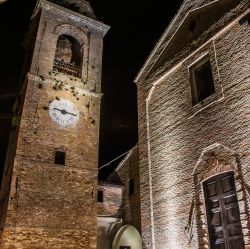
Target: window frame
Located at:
point(193, 79)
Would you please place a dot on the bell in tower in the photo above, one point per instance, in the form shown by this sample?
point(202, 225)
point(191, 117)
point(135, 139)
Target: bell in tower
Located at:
point(50, 174)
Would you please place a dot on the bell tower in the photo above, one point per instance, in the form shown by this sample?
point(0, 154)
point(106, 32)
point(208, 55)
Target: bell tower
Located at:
point(50, 176)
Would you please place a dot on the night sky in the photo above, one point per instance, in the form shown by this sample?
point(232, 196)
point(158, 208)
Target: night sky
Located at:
point(136, 26)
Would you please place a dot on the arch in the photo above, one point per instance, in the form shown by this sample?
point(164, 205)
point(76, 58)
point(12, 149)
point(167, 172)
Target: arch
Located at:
point(127, 237)
point(81, 40)
point(80, 35)
point(215, 160)
point(68, 50)
point(68, 56)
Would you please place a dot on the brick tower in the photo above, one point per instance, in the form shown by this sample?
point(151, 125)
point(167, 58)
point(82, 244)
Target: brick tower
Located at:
point(50, 177)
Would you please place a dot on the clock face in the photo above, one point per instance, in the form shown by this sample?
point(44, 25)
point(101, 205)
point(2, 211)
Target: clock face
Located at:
point(63, 112)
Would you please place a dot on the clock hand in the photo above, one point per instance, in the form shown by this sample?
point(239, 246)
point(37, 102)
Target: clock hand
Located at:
point(57, 109)
point(73, 114)
point(64, 111)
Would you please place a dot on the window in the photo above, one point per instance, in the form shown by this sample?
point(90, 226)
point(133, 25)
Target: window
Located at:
point(131, 187)
point(100, 196)
point(202, 83)
point(60, 157)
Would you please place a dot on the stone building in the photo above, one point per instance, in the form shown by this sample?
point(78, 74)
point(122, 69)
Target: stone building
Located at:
point(194, 130)
point(48, 192)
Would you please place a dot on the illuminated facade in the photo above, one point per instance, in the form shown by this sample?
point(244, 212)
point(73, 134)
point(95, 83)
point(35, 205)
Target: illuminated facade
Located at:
point(50, 178)
point(194, 130)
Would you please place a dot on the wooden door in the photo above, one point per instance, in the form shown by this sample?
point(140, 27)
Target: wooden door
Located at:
point(223, 215)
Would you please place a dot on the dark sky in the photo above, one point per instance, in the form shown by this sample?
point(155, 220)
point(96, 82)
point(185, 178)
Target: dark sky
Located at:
point(136, 25)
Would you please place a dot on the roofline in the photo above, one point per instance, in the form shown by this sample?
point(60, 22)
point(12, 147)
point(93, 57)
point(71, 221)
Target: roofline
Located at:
point(165, 33)
point(125, 158)
point(179, 26)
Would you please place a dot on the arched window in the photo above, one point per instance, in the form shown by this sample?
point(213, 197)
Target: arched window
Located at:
point(68, 57)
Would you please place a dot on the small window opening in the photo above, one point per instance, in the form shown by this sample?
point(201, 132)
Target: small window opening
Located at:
point(202, 81)
point(68, 56)
point(100, 196)
point(60, 157)
point(131, 187)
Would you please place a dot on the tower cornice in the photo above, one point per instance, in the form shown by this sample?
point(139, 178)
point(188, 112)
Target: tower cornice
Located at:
point(90, 22)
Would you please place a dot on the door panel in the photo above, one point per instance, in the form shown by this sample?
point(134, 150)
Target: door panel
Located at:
point(234, 231)
point(230, 199)
point(216, 219)
point(219, 246)
point(211, 189)
point(227, 183)
point(236, 244)
point(225, 231)
point(233, 214)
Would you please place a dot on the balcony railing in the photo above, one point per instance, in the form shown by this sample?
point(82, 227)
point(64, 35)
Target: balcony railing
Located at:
point(67, 68)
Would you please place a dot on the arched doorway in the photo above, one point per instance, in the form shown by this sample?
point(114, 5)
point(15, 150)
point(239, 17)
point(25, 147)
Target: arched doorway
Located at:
point(220, 200)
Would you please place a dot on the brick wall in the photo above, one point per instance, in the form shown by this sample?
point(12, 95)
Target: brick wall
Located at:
point(51, 205)
point(112, 200)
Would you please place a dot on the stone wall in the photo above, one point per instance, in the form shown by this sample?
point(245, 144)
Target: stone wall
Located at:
point(173, 134)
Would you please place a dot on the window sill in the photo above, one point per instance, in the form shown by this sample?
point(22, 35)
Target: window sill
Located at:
point(203, 105)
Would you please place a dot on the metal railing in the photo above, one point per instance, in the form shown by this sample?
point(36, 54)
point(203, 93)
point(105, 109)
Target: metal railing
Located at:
point(67, 68)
